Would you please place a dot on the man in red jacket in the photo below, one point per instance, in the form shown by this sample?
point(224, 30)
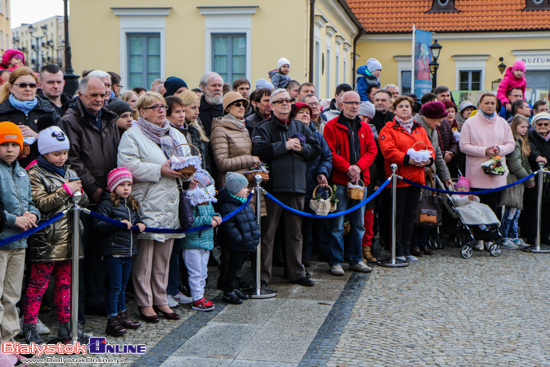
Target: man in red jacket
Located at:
point(353, 151)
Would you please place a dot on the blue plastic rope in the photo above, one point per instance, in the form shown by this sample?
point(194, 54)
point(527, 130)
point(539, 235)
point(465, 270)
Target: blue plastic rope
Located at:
point(167, 230)
point(33, 230)
point(332, 215)
point(481, 192)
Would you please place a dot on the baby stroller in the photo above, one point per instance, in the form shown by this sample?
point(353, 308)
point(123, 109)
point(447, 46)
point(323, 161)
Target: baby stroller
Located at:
point(469, 231)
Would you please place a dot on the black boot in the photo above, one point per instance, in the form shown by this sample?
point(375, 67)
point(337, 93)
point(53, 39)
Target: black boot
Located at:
point(31, 335)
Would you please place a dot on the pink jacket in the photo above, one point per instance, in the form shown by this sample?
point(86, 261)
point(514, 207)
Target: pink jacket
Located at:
point(508, 82)
point(479, 133)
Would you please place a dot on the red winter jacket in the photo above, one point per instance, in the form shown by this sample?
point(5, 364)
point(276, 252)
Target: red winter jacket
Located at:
point(394, 141)
point(337, 136)
point(510, 82)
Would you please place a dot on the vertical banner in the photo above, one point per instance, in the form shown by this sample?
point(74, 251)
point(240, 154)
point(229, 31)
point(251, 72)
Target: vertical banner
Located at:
point(422, 56)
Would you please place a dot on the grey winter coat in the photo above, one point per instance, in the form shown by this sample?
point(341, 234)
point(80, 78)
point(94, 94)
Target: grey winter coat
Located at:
point(440, 167)
point(519, 168)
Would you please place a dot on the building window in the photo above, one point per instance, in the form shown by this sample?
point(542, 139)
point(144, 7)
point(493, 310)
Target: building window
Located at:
point(537, 5)
point(406, 81)
point(229, 56)
point(317, 65)
point(143, 59)
point(470, 80)
point(345, 70)
point(443, 6)
point(337, 69)
point(329, 74)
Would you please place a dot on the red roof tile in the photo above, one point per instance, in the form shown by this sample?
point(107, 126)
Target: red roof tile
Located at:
point(398, 16)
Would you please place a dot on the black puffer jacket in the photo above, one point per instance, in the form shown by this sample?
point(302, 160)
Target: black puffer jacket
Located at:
point(287, 168)
point(115, 240)
point(10, 113)
point(539, 147)
point(241, 232)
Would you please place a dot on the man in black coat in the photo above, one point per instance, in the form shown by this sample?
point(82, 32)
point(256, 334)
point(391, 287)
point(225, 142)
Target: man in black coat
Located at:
point(286, 146)
point(211, 101)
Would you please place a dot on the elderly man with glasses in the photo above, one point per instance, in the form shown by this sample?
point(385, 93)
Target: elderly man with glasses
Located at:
point(353, 151)
point(285, 145)
point(93, 133)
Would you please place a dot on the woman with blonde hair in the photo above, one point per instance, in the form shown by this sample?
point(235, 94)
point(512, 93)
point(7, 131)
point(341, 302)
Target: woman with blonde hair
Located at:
point(19, 104)
point(131, 97)
point(191, 103)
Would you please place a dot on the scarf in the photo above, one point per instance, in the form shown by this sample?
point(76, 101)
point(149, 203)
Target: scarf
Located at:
point(242, 200)
point(42, 162)
point(407, 125)
point(165, 137)
point(546, 138)
point(235, 121)
point(488, 116)
point(23, 106)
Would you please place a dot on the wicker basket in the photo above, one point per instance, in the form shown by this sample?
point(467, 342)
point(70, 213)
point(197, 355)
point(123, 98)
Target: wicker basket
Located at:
point(356, 193)
point(189, 170)
point(250, 175)
point(321, 206)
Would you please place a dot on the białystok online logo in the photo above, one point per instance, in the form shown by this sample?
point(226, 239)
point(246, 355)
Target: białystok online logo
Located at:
point(96, 346)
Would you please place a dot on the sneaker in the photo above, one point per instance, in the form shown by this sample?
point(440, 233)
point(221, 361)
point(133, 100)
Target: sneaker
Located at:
point(203, 305)
point(336, 269)
point(360, 267)
point(411, 258)
point(31, 335)
point(508, 244)
point(41, 328)
point(231, 298)
point(172, 302)
point(401, 258)
point(182, 299)
point(519, 242)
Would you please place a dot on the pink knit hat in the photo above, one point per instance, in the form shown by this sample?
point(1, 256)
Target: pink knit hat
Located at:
point(8, 54)
point(463, 182)
point(519, 65)
point(118, 176)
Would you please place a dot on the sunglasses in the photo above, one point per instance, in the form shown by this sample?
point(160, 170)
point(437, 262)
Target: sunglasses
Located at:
point(543, 124)
point(25, 85)
point(288, 100)
point(239, 104)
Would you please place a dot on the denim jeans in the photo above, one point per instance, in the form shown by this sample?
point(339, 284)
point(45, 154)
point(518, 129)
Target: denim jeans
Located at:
point(510, 220)
point(118, 273)
point(174, 272)
point(356, 232)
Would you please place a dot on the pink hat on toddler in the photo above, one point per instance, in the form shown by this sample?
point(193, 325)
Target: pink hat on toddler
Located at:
point(463, 182)
point(118, 176)
point(519, 65)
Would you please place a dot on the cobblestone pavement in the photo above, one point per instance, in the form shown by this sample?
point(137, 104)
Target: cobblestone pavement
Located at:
point(440, 311)
point(447, 311)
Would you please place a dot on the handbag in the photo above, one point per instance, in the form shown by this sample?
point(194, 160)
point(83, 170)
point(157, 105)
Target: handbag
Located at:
point(185, 210)
point(428, 212)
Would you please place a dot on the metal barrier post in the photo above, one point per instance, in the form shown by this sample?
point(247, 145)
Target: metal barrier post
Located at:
point(258, 291)
point(75, 267)
point(537, 248)
point(393, 262)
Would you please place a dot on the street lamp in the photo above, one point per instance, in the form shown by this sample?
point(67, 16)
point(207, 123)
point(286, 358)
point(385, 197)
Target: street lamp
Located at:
point(37, 39)
point(71, 79)
point(502, 65)
point(434, 65)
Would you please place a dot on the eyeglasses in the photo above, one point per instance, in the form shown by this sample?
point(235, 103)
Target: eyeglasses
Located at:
point(287, 100)
point(120, 86)
point(543, 124)
point(157, 107)
point(314, 104)
point(239, 104)
point(353, 103)
point(516, 95)
point(25, 85)
point(95, 95)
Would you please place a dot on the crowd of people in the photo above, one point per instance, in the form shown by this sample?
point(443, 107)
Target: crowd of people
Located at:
point(118, 149)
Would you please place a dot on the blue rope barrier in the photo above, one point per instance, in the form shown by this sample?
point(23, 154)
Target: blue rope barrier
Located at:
point(332, 215)
point(33, 230)
point(481, 192)
point(168, 230)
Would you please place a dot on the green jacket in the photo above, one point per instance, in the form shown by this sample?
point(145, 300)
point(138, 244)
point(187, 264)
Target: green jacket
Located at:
point(202, 216)
point(16, 194)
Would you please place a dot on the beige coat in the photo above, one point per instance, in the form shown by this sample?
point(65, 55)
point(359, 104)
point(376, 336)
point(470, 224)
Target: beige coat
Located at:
point(158, 196)
point(232, 149)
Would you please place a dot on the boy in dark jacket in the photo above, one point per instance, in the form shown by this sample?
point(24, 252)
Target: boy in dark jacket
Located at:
point(240, 234)
point(119, 245)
